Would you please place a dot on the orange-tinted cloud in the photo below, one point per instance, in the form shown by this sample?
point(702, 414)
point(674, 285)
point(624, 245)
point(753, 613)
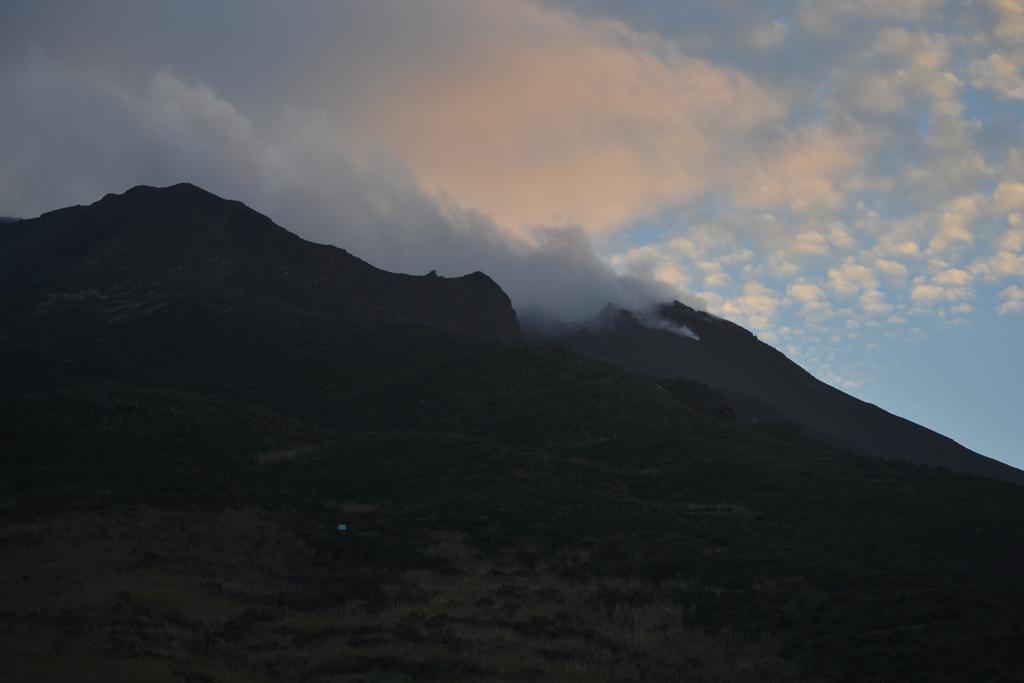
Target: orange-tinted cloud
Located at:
point(538, 117)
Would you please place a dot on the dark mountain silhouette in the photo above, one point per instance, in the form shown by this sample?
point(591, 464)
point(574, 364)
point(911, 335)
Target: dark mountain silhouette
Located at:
point(760, 383)
point(229, 454)
point(8, 219)
point(181, 246)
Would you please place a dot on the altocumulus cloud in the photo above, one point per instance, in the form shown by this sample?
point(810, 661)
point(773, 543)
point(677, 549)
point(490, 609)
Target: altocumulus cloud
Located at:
point(823, 174)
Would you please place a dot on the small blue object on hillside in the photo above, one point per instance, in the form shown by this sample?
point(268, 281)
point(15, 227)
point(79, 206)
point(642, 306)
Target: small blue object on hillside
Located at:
point(342, 527)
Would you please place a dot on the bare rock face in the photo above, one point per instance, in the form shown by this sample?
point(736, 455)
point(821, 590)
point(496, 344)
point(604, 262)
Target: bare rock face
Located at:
point(155, 249)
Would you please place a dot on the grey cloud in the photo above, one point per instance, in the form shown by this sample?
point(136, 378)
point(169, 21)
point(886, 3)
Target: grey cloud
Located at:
point(77, 135)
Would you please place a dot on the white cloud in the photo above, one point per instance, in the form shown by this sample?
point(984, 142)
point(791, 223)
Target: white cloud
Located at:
point(850, 278)
point(891, 269)
point(953, 276)
point(737, 257)
point(906, 84)
point(672, 274)
point(812, 300)
point(799, 171)
point(1009, 196)
point(758, 298)
point(840, 237)
point(1013, 300)
point(827, 15)
point(1012, 240)
point(714, 275)
point(955, 224)
point(805, 292)
point(897, 68)
point(685, 247)
point(1009, 26)
point(931, 293)
point(809, 242)
point(1001, 265)
point(873, 302)
point(1000, 73)
point(756, 306)
point(897, 247)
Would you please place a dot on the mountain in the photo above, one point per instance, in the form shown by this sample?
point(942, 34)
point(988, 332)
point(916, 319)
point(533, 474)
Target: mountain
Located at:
point(8, 219)
point(157, 248)
point(761, 384)
point(213, 471)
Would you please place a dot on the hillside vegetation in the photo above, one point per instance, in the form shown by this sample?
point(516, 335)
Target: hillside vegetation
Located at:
point(174, 478)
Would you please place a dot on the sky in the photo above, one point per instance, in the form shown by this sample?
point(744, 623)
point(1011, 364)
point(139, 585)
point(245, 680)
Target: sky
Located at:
point(843, 177)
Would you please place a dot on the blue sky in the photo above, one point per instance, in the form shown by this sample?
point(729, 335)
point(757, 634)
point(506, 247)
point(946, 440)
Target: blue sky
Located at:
point(844, 177)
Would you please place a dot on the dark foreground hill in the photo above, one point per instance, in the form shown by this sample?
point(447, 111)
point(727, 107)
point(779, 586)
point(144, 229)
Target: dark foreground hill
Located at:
point(761, 384)
point(182, 248)
point(173, 484)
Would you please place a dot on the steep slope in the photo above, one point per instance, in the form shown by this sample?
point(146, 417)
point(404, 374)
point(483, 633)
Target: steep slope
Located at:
point(149, 249)
point(762, 384)
point(175, 475)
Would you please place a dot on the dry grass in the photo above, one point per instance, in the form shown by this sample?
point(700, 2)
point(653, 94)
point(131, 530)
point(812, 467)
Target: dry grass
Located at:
point(161, 595)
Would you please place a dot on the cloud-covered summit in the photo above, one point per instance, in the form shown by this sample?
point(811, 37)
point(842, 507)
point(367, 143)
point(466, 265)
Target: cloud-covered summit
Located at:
point(844, 177)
